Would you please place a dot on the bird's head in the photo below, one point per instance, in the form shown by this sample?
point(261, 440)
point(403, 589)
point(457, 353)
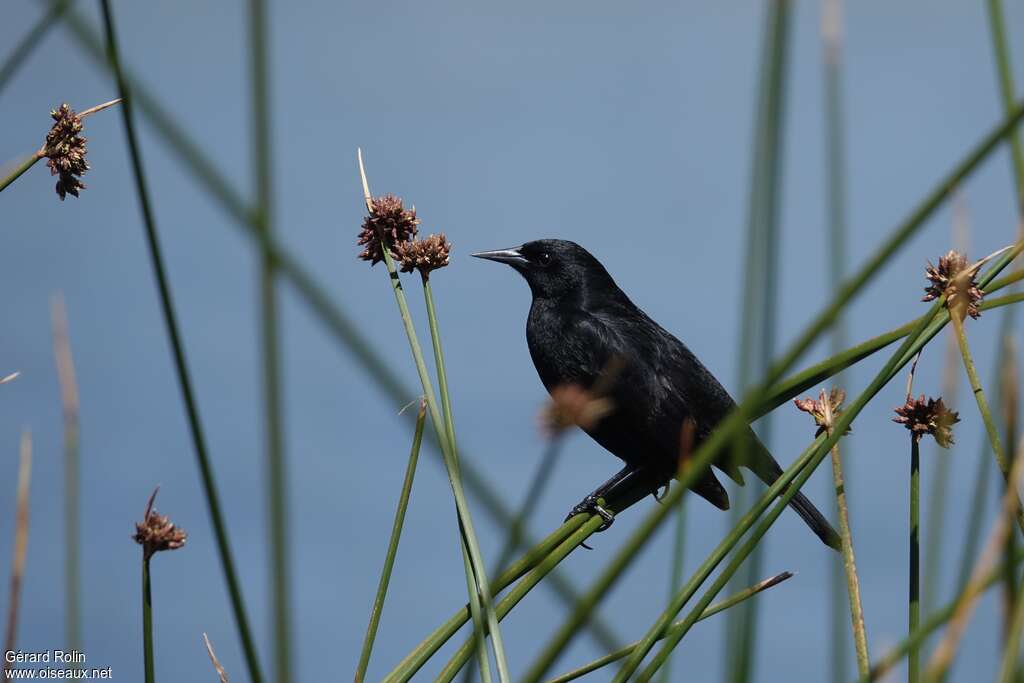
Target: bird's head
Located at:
point(555, 269)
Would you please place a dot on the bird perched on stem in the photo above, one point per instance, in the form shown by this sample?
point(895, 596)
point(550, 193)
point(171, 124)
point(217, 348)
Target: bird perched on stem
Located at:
point(580, 325)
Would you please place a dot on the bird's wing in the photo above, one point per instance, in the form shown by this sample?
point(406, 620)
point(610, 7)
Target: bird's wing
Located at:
point(691, 391)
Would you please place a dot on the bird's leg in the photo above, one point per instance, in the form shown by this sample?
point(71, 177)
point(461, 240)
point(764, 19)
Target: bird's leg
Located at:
point(628, 486)
point(590, 504)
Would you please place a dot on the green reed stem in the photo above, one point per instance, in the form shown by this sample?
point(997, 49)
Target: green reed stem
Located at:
point(897, 238)
point(477, 576)
point(660, 628)
point(672, 639)
point(835, 169)
point(914, 570)
point(30, 41)
point(934, 525)
point(935, 621)
point(396, 534)
point(25, 164)
point(276, 470)
point(178, 351)
point(480, 576)
point(147, 622)
point(65, 365)
point(758, 316)
point(19, 553)
point(979, 499)
point(860, 639)
point(1011, 652)
point(986, 414)
point(460, 658)
point(534, 492)
point(479, 641)
point(997, 28)
point(622, 652)
point(412, 662)
point(675, 580)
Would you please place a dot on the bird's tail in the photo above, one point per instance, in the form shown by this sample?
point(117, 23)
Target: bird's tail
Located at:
point(768, 470)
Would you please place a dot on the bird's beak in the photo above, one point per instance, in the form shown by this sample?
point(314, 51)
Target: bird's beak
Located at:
point(510, 256)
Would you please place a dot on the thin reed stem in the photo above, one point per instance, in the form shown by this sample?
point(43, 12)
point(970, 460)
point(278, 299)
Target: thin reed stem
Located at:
point(22, 166)
point(392, 551)
point(835, 169)
point(534, 491)
point(477, 576)
point(986, 414)
point(276, 469)
point(459, 659)
point(20, 549)
point(178, 351)
point(975, 518)
point(413, 661)
point(914, 569)
point(934, 621)
point(449, 426)
point(1011, 650)
point(147, 621)
point(758, 314)
point(860, 639)
point(675, 579)
point(1004, 68)
point(69, 403)
point(731, 601)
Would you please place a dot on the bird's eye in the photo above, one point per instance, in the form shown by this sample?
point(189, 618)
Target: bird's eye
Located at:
point(544, 258)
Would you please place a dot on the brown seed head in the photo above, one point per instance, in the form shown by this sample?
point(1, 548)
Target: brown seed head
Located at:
point(65, 151)
point(929, 416)
point(389, 221)
point(423, 255)
point(571, 405)
point(156, 532)
point(825, 410)
point(954, 278)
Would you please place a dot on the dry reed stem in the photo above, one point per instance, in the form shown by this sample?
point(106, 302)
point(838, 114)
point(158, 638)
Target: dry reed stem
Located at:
point(946, 650)
point(213, 658)
point(20, 547)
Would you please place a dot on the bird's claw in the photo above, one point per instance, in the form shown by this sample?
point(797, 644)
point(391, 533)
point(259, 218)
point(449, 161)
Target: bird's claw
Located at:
point(591, 505)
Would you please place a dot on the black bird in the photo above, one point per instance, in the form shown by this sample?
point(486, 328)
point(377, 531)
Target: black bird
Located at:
point(581, 329)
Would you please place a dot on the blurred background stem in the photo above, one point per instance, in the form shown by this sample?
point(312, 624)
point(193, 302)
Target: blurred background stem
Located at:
point(276, 470)
point(69, 402)
point(178, 351)
point(758, 316)
point(18, 556)
point(841, 578)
